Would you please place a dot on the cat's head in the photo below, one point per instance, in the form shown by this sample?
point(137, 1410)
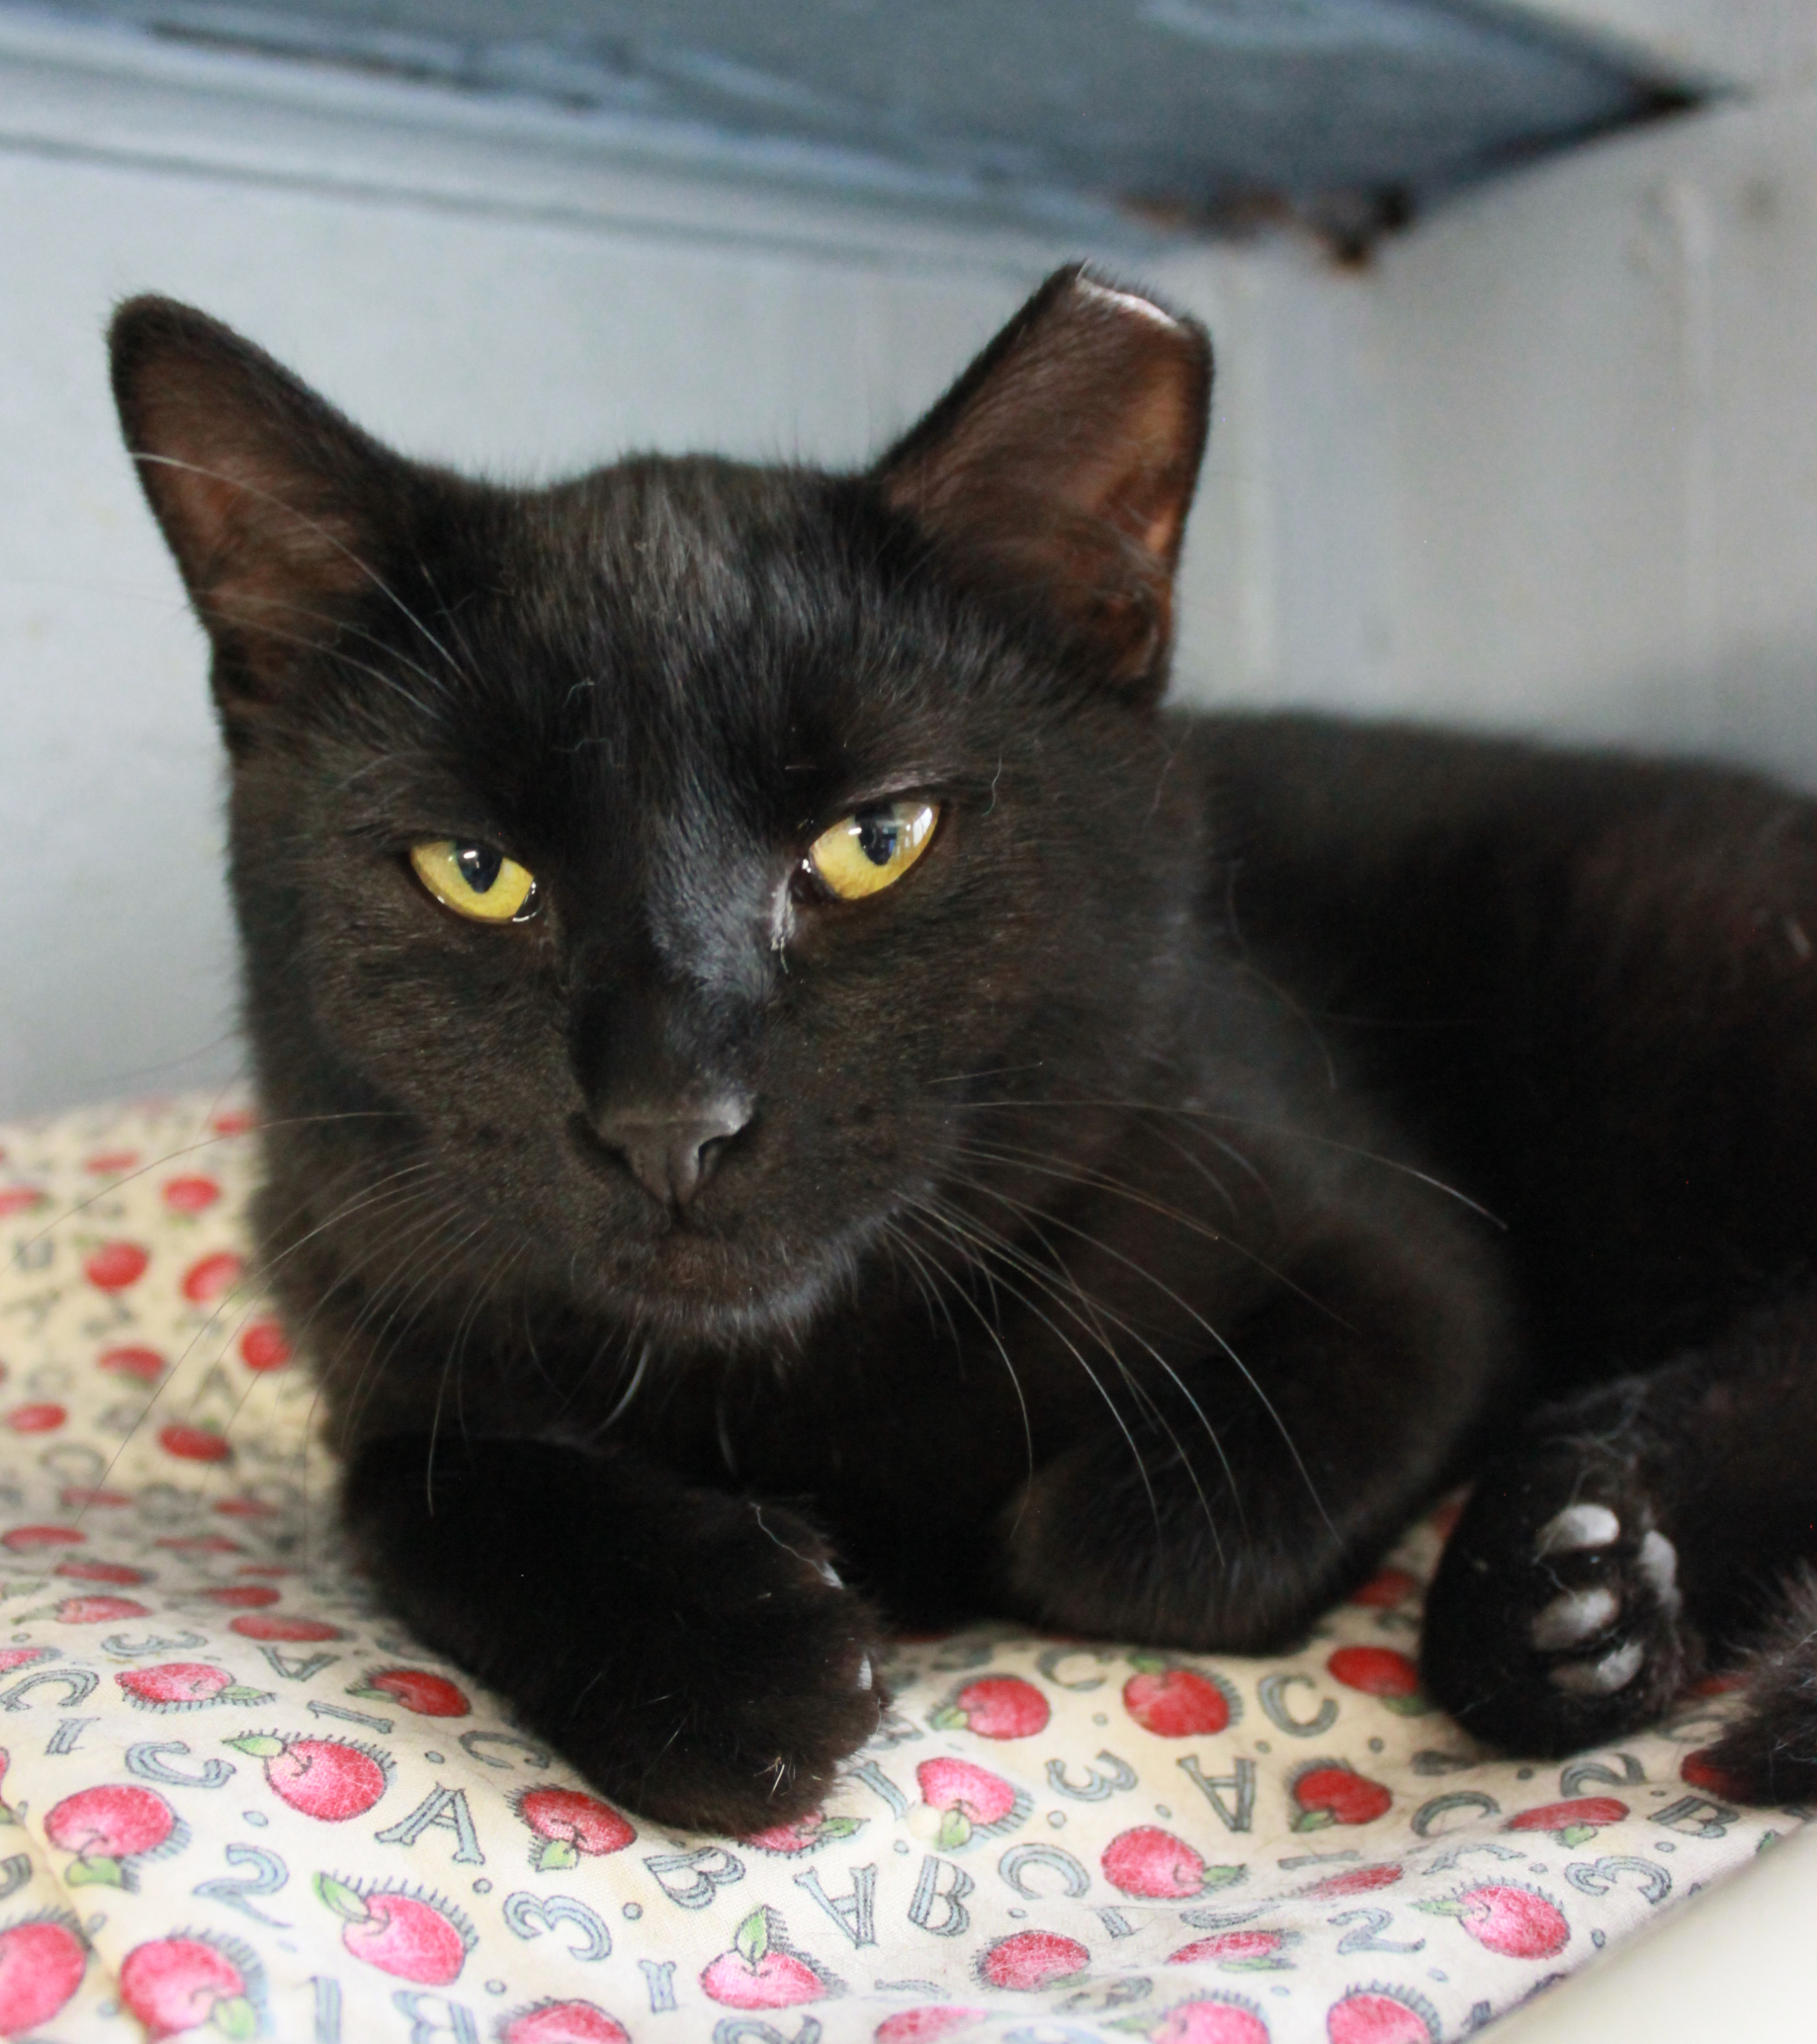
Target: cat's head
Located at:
point(655, 869)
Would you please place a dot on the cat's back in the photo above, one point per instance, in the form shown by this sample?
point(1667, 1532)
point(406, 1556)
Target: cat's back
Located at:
point(1586, 982)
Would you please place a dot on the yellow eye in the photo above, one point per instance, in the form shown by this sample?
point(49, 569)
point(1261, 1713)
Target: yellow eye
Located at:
point(474, 880)
point(865, 853)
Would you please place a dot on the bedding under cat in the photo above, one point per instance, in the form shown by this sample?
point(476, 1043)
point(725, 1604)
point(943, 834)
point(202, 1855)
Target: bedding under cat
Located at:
point(799, 1098)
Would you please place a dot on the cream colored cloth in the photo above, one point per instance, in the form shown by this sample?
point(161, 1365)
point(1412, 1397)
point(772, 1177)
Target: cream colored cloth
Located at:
point(242, 1803)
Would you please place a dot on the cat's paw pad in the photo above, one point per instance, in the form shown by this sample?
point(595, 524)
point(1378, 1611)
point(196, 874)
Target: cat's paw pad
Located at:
point(1552, 1624)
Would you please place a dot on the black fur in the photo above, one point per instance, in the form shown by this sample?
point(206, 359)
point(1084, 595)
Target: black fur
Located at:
point(1087, 1244)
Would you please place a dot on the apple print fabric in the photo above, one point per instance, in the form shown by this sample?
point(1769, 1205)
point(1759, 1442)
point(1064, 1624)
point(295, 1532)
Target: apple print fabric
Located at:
point(239, 1802)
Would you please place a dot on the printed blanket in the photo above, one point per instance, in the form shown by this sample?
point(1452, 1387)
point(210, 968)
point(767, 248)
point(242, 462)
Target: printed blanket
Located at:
point(242, 1803)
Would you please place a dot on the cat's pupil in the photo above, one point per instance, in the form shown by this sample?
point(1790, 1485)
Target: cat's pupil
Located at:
point(479, 866)
point(880, 834)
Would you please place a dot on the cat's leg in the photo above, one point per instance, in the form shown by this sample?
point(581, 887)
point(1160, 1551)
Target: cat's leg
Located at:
point(1631, 1534)
point(1248, 1487)
point(695, 1654)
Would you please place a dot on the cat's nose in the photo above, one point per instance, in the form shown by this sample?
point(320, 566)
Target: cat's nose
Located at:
point(671, 1152)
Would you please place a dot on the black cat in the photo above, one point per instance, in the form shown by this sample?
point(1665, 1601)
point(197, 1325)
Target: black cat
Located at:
point(783, 1063)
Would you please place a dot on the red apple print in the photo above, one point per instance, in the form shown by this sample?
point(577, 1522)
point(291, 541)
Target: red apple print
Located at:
point(1177, 1702)
point(108, 1164)
point(274, 1625)
point(995, 1707)
point(969, 1798)
point(116, 1266)
point(90, 1610)
point(42, 1963)
point(177, 1985)
point(330, 1780)
point(1235, 1951)
point(760, 1970)
point(805, 1834)
point(1381, 1673)
point(191, 1195)
point(115, 1572)
point(1354, 1880)
point(917, 2026)
point(1381, 2016)
point(241, 1597)
point(107, 1827)
point(1570, 1823)
point(264, 1346)
point(234, 1121)
point(1209, 2022)
point(45, 1419)
point(193, 1443)
point(1699, 1772)
point(1033, 1959)
point(1386, 1588)
point(208, 1277)
point(247, 1508)
point(414, 1937)
point(570, 1823)
point(1154, 1864)
point(562, 2022)
point(1327, 1792)
point(144, 1364)
point(200, 1544)
point(1518, 1923)
point(20, 1656)
point(86, 1498)
point(25, 1539)
point(416, 1690)
point(21, 1199)
point(185, 1685)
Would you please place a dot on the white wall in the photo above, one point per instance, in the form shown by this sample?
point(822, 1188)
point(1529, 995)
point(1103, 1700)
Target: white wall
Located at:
point(1551, 462)
point(1600, 389)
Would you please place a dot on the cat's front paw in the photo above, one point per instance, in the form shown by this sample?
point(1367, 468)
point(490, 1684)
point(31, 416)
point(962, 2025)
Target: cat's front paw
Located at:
point(1555, 1620)
point(739, 1720)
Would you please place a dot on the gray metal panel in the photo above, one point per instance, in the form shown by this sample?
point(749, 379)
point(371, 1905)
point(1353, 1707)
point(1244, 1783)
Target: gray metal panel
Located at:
point(1196, 105)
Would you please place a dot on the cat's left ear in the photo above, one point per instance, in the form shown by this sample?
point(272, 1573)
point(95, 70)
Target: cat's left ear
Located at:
point(1061, 467)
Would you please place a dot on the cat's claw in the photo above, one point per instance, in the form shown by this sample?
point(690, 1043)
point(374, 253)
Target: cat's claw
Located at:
point(1572, 1617)
point(1614, 1671)
point(1578, 1526)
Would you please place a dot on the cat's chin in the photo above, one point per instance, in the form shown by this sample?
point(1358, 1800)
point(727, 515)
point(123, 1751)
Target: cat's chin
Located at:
point(693, 1291)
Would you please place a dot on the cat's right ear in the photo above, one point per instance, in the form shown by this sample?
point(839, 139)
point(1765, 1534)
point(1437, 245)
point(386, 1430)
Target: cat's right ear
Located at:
point(263, 490)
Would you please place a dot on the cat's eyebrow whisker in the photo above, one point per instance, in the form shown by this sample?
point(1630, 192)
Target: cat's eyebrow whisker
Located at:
point(341, 628)
point(321, 531)
point(270, 630)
